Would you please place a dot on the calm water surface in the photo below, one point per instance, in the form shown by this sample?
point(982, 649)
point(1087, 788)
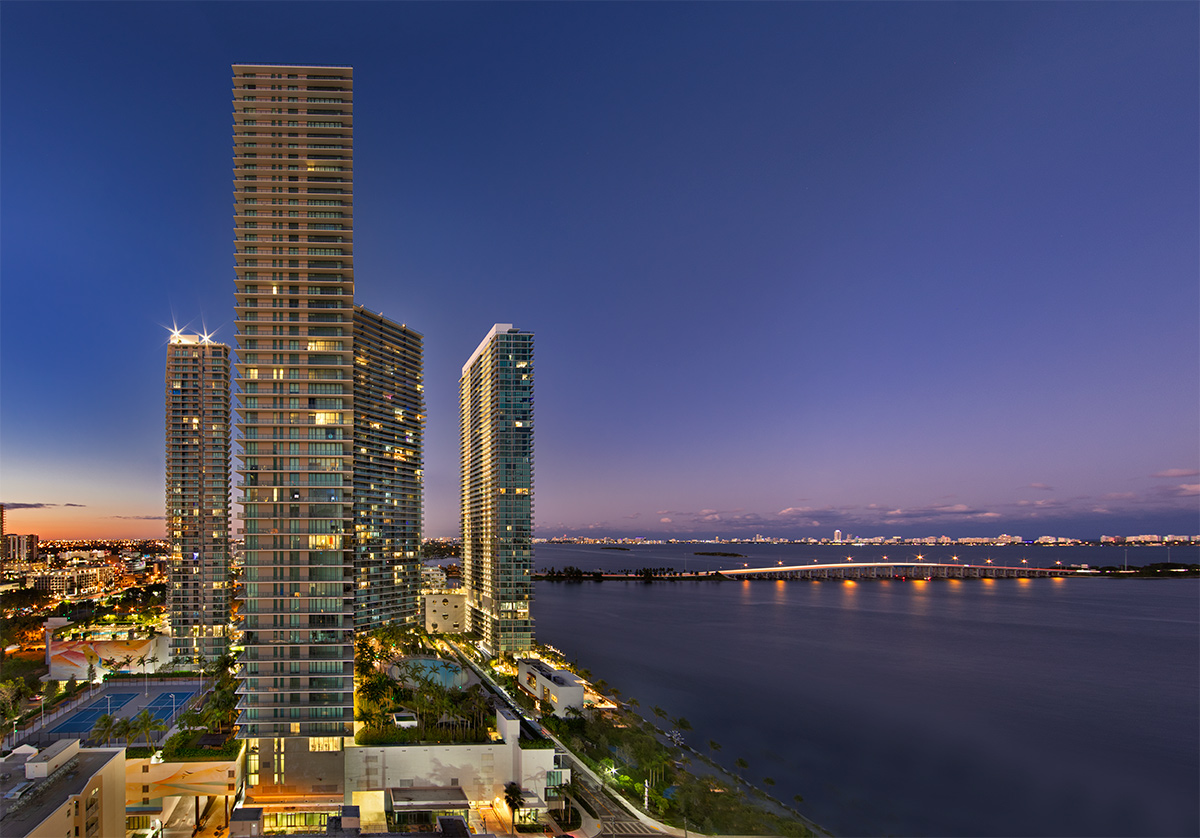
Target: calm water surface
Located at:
point(980, 707)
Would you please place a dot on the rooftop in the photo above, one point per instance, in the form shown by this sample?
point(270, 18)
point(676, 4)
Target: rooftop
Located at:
point(25, 803)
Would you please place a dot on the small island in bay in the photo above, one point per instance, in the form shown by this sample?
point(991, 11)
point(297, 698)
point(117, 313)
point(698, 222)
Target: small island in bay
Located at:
point(626, 549)
point(726, 555)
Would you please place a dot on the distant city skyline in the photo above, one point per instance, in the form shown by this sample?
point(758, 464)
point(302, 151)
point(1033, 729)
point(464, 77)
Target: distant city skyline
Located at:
point(900, 268)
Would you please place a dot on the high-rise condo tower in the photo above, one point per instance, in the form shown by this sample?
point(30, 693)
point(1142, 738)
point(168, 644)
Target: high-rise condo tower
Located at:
point(197, 469)
point(331, 416)
point(389, 428)
point(495, 402)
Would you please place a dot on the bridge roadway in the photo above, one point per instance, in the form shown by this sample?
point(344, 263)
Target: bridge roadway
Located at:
point(894, 570)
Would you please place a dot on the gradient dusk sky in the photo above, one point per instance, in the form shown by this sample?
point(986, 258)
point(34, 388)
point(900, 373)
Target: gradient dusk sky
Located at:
point(897, 268)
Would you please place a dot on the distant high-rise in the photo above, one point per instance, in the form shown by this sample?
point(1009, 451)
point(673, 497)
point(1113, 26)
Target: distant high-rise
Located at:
point(495, 401)
point(197, 471)
point(331, 418)
point(21, 549)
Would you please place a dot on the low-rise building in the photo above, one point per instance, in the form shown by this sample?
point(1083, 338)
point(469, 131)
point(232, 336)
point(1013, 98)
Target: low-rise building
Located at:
point(62, 792)
point(561, 688)
point(415, 783)
point(445, 613)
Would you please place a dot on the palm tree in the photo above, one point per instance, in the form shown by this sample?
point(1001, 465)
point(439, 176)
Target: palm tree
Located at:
point(714, 746)
point(682, 723)
point(141, 662)
point(146, 723)
point(122, 729)
point(104, 729)
point(513, 797)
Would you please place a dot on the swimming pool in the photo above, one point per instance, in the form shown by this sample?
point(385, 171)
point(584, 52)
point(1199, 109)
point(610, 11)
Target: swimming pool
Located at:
point(446, 674)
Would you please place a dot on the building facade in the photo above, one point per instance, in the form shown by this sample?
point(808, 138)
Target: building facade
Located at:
point(294, 304)
point(389, 430)
point(63, 791)
point(21, 548)
point(496, 485)
point(330, 411)
point(197, 503)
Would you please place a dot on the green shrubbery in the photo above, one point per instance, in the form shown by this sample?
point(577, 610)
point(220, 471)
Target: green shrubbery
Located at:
point(624, 749)
point(183, 747)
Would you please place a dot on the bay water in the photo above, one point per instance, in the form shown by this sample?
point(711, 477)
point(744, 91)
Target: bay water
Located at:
point(1033, 707)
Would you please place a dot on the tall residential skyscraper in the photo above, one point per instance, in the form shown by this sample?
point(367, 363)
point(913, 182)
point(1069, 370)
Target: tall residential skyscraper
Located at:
point(197, 468)
point(389, 428)
point(331, 416)
point(495, 403)
point(293, 206)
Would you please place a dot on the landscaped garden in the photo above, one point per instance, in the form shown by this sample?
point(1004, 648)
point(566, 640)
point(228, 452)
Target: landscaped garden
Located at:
point(400, 673)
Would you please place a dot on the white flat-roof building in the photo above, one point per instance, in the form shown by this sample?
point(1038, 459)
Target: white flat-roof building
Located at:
point(562, 689)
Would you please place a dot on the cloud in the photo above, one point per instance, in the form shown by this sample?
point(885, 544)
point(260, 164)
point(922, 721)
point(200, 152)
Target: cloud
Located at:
point(665, 521)
point(795, 510)
point(1045, 503)
point(1183, 490)
point(8, 505)
point(1118, 496)
point(1042, 486)
point(955, 511)
point(1177, 472)
point(634, 516)
point(139, 517)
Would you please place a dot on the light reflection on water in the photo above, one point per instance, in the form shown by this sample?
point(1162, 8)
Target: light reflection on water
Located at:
point(977, 707)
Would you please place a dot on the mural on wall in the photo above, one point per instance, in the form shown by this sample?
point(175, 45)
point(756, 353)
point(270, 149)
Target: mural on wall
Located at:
point(71, 658)
point(180, 778)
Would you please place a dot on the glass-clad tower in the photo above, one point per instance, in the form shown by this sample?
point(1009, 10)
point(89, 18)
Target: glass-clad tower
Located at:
point(389, 428)
point(197, 507)
point(495, 399)
point(294, 227)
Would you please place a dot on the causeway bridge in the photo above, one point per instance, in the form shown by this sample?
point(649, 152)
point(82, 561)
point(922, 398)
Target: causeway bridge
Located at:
point(893, 570)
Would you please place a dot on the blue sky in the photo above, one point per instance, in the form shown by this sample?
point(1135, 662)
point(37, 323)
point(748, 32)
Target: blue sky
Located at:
point(894, 268)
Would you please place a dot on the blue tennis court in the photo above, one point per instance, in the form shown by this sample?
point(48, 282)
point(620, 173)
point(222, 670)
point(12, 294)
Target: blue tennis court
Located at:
point(166, 703)
point(84, 720)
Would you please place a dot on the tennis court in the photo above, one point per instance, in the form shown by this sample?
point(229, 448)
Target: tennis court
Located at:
point(84, 720)
point(165, 704)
